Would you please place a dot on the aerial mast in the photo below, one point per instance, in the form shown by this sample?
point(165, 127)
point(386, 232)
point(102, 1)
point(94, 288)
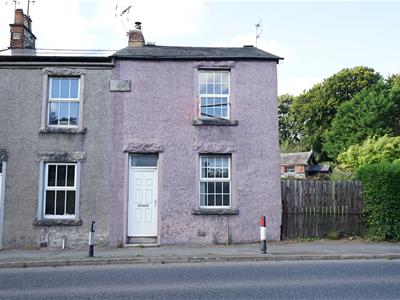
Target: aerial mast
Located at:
point(29, 3)
point(258, 30)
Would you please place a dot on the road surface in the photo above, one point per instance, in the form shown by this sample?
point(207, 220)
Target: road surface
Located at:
point(361, 279)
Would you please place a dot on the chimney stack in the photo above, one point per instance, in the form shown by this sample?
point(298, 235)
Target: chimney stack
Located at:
point(136, 38)
point(21, 32)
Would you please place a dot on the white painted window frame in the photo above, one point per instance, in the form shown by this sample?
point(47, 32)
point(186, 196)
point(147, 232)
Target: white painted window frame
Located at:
point(200, 95)
point(58, 188)
point(43, 178)
point(62, 72)
point(216, 180)
point(65, 100)
point(291, 167)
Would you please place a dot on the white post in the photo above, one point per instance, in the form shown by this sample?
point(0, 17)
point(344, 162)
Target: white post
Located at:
point(263, 235)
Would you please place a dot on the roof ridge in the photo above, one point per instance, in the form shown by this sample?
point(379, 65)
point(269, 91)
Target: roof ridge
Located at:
point(193, 52)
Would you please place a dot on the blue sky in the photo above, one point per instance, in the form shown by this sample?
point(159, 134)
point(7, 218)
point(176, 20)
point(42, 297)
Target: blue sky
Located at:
point(317, 38)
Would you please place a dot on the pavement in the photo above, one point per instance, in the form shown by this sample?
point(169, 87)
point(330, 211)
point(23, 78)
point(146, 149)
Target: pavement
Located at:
point(277, 251)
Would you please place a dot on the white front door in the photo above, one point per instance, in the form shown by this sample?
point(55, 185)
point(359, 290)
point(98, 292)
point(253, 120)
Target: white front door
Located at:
point(142, 206)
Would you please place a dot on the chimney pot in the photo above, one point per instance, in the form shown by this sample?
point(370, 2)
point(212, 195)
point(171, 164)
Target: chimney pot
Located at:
point(136, 38)
point(19, 17)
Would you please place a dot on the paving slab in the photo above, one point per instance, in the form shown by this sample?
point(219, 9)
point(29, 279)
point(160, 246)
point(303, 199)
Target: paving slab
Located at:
point(342, 249)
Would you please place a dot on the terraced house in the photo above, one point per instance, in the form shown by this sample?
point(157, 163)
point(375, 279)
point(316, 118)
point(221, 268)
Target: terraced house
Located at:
point(158, 145)
point(55, 136)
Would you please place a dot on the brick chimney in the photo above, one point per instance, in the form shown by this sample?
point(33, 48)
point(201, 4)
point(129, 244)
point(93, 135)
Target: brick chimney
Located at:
point(136, 38)
point(21, 32)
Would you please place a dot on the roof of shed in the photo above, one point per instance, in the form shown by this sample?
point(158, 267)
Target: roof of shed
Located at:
point(295, 158)
point(153, 52)
point(319, 168)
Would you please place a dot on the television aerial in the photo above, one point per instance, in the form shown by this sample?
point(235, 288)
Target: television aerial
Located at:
point(258, 30)
point(123, 13)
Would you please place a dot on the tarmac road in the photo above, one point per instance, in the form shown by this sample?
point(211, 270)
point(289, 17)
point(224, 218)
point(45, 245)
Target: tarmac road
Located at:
point(346, 279)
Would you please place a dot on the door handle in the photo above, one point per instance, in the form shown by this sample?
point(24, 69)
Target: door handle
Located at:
point(143, 205)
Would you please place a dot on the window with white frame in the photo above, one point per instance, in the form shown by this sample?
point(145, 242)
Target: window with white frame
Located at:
point(63, 101)
point(289, 169)
point(215, 181)
point(60, 190)
point(214, 92)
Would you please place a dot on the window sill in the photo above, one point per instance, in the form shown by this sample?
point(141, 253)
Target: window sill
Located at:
point(215, 211)
point(215, 122)
point(57, 222)
point(58, 130)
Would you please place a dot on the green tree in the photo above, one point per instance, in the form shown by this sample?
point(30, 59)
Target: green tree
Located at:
point(287, 147)
point(314, 110)
point(372, 112)
point(287, 132)
point(385, 149)
point(394, 80)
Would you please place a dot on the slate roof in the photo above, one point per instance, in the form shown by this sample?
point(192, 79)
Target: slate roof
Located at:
point(296, 158)
point(152, 52)
point(55, 54)
point(318, 168)
point(147, 52)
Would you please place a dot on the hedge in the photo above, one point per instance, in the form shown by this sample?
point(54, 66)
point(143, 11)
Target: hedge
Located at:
point(381, 183)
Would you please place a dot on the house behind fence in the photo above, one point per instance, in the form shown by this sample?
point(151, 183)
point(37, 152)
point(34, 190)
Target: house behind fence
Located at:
point(301, 165)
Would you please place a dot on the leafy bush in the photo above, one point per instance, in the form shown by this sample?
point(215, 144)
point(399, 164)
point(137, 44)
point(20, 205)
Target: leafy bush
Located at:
point(373, 150)
point(341, 175)
point(381, 184)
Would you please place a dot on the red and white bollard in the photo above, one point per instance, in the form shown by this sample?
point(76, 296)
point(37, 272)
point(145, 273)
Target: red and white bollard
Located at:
point(263, 235)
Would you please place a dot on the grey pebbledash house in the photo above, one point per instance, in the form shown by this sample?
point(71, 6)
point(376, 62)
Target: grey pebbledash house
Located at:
point(164, 145)
point(55, 143)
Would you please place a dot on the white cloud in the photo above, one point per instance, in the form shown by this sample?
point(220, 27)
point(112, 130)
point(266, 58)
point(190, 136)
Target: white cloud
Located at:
point(160, 19)
point(56, 24)
point(269, 45)
point(296, 85)
point(285, 85)
point(83, 24)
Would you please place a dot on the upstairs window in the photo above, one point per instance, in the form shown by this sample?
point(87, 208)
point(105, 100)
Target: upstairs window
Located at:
point(214, 92)
point(63, 104)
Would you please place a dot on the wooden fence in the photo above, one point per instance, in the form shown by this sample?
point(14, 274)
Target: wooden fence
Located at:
point(312, 208)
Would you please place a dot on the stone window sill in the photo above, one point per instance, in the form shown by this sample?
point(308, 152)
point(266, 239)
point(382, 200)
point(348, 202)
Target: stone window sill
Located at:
point(60, 130)
point(217, 211)
point(57, 222)
point(215, 122)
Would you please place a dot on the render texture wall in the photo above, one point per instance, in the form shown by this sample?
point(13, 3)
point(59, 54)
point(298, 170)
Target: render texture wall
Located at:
point(21, 92)
point(160, 110)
